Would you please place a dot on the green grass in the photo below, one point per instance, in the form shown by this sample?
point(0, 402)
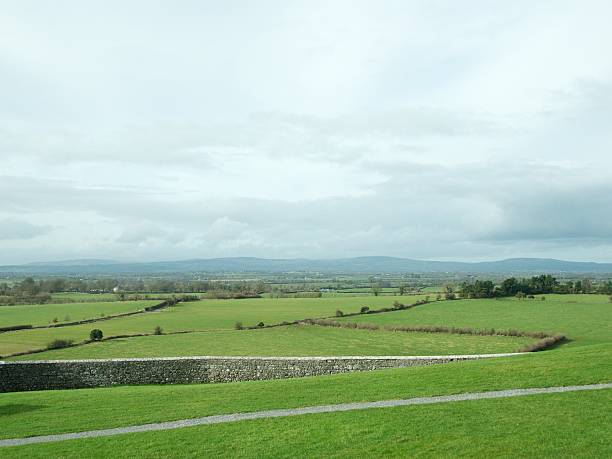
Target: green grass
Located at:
point(36, 413)
point(78, 297)
point(295, 340)
point(585, 319)
point(555, 425)
point(199, 315)
point(43, 314)
point(570, 425)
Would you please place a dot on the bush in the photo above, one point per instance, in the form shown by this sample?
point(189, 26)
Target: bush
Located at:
point(96, 334)
point(364, 310)
point(55, 320)
point(339, 313)
point(158, 331)
point(438, 297)
point(260, 324)
point(60, 343)
point(542, 298)
point(450, 296)
point(238, 326)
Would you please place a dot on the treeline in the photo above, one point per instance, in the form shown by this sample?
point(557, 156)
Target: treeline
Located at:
point(536, 285)
point(31, 291)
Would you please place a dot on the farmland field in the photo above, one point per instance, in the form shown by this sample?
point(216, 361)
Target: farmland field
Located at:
point(570, 424)
point(198, 315)
point(292, 340)
point(43, 314)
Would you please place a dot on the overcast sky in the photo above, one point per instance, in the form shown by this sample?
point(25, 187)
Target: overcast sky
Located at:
point(146, 130)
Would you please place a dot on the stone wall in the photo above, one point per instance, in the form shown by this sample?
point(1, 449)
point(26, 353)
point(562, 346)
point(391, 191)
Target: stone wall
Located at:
point(72, 374)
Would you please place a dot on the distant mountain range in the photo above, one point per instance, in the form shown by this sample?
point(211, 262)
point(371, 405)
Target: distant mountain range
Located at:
point(370, 265)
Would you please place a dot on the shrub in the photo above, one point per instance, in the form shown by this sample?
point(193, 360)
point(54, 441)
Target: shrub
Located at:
point(450, 296)
point(238, 326)
point(55, 320)
point(542, 298)
point(96, 334)
point(158, 331)
point(339, 313)
point(60, 343)
point(364, 310)
point(438, 297)
point(260, 324)
point(397, 305)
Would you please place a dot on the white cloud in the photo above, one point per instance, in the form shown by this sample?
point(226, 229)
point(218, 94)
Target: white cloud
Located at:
point(305, 129)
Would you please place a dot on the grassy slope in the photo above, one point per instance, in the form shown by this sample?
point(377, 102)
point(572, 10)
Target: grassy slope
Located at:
point(566, 425)
point(35, 413)
point(295, 340)
point(585, 361)
point(43, 314)
point(200, 315)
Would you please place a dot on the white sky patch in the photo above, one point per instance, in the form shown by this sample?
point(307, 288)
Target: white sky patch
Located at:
point(303, 129)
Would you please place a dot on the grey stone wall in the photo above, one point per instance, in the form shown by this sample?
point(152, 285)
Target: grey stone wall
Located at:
point(72, 374)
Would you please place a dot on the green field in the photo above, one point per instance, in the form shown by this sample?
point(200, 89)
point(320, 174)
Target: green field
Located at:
point(568, 425)
point(77, 297)
point(198, 315)
point(294, 340)
point(43, 314)
point(556, 425)
point(584, 319)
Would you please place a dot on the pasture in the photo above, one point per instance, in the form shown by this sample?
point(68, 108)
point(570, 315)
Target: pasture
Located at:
point(569, 424)
point(201, 315)
point(292, 340)
point(44, 314)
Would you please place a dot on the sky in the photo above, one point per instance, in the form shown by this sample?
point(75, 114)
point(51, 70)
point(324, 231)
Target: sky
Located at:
point(163, 130)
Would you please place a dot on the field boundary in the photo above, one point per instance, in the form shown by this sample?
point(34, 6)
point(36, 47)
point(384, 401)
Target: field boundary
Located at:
point(545, 340)
point(74, 374)
point(318, 409)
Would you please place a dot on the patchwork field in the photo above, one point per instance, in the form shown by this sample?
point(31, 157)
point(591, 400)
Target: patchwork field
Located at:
point(565, 425)
point(198, 315)
point(294, 340)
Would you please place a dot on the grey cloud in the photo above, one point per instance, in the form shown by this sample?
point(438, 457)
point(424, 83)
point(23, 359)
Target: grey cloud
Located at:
point(21, 230)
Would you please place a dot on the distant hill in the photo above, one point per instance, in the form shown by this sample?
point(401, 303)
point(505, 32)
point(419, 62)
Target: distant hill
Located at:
point(369, 265)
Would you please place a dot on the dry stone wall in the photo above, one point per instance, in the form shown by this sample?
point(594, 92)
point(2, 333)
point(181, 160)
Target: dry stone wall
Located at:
point(72, 374)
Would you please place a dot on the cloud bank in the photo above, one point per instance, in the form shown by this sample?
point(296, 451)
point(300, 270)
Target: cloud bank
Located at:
point(137, 131)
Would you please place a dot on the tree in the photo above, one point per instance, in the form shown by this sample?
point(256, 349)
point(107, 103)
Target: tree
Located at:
point(376, 289)
point(96, 334)
point(402, 289)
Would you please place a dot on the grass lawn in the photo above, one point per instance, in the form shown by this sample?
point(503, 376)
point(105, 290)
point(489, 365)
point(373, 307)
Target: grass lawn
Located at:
point(36, 413)
point(199, 315)
point(554, 425)
point(295, 340)
point(43, 314)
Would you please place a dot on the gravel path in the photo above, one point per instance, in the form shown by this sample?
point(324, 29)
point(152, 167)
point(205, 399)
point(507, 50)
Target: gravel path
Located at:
point(218, 419)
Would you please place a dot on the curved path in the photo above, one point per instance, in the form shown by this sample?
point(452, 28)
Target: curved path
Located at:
point(219, 419)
